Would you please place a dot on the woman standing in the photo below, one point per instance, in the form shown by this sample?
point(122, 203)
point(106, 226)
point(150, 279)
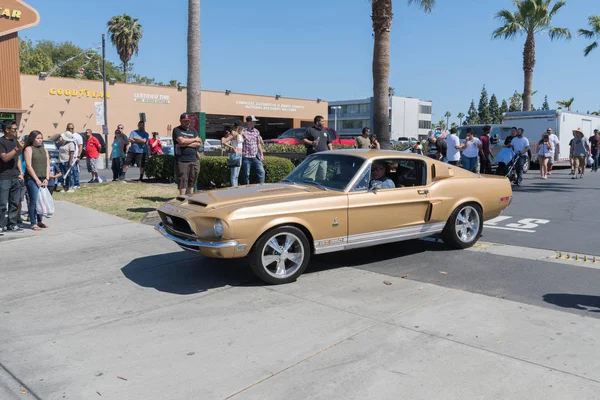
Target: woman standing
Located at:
point(235, 142)
point(470, 148)
point(155, 145)
point(37, 162)
point(117, 155)
point(545, 152)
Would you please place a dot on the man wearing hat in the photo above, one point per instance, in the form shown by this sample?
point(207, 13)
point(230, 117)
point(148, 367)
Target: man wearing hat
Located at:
point(252, 152)
point(66, 154)
point(580, 150)
point(187, 141)
point(11, 177)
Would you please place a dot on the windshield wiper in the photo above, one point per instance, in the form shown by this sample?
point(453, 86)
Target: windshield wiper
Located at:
point(320, 186)
point(287, 181)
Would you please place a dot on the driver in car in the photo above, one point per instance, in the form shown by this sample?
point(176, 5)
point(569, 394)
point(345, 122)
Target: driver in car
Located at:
point(378, 178)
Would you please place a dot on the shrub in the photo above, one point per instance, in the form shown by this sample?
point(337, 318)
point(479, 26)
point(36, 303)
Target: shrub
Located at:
point(162, 168)
point(284, 148)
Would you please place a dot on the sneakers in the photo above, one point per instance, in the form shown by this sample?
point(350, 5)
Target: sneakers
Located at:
point(70, 191)
point(91, 181)
point(15, 228)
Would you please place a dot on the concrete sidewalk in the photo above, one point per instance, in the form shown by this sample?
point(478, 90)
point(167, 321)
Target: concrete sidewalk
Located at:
point(99, 307)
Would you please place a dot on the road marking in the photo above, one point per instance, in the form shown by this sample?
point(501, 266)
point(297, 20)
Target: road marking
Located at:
point(496, 220)
point(526, 225)
point(508, 229)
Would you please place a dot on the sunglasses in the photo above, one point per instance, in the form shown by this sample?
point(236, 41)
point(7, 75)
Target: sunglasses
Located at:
point(378, 169)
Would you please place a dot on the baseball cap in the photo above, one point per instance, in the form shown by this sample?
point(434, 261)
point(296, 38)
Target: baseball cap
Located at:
point(251, 118)
point(185, 117)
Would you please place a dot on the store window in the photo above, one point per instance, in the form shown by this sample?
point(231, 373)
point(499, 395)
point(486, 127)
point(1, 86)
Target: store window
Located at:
point(424, 109)
point(364, 108)
point(424, 124)
point(354, 124)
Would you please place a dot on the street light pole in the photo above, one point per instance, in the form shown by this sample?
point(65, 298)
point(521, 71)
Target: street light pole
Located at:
point(104, 97)
point(336, 108)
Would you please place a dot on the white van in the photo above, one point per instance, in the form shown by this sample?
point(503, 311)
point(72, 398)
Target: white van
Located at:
point(563, 123)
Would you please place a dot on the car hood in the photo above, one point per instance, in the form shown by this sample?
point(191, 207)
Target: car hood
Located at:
point(251, 195)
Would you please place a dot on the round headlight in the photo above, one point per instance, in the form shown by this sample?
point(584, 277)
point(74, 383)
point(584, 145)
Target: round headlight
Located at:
point(218, 228)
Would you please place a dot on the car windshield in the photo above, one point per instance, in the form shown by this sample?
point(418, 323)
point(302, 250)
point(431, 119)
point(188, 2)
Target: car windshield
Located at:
point(213, 142)
point(327, 171)
point(49, 145)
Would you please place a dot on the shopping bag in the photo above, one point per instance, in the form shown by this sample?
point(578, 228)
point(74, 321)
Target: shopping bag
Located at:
point(45, 203)
point(590, 161)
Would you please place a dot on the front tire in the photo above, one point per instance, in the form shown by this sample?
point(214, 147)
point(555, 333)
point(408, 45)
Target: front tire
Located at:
point(464, 226)
point(280, 255)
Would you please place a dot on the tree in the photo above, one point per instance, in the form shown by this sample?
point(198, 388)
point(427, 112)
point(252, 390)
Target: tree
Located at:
point(484, 107)
point(566, 103)
point(193, 57)
point(125, 34)
point(515, 102)
point(592, 34)
point(546, 106)
point(503, 109)
point(530, 18)
point(442, 124)
point(447, 115)
point(381, 17)
point(391, 91)
point(460, 118)
point(495, 116)
point(472, 116)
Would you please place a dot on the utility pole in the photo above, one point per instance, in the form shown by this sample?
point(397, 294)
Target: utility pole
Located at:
point(104, 97)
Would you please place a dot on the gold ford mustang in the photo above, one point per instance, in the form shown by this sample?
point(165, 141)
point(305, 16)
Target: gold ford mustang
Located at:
point(334, 201)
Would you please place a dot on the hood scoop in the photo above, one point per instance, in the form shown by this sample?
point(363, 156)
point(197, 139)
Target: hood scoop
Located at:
point(196, 203)
point(275, 189)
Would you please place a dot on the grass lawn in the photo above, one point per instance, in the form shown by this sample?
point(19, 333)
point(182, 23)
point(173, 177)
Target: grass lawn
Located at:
point(131, 200)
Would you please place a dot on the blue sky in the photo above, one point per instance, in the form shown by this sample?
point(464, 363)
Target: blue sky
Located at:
point(323, 48)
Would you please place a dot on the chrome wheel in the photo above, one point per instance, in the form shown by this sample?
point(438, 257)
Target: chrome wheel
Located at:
point(282, 255)
point(467, 224)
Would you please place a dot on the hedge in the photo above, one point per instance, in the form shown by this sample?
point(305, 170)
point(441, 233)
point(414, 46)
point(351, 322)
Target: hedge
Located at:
point(214, 171)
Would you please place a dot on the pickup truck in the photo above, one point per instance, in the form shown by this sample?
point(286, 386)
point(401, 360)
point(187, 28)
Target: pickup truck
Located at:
point(294, 136)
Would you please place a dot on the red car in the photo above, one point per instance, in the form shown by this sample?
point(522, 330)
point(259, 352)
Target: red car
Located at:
point(294, 136)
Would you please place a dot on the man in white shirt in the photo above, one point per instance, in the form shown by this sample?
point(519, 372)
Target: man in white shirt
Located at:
point(520, 145)
point(78, 141)
point(555, 143)
point(453, 153)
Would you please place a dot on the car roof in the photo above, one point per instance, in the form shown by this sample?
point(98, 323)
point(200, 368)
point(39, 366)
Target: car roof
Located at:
point(372, 153)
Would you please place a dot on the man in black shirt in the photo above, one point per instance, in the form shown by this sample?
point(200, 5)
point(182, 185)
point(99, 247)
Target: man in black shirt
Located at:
point(186, 142)
point(513, 133)
point(11, 177)
point(316, 139)
point(595, 147)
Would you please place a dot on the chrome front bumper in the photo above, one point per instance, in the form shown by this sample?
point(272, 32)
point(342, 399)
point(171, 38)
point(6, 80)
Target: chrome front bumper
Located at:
point(197, 246)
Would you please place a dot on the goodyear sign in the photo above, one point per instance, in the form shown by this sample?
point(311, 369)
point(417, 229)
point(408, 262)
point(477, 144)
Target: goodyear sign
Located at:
point(78, 93)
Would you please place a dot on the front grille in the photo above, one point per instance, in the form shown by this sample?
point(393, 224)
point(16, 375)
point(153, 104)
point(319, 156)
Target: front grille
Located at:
point(176, 224)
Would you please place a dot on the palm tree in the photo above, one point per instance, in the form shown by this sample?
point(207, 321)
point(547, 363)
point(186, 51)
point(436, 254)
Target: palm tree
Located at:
point(460, 118)
point(125, 34)
point(530, 18)
point(447, 115)
point(566, 103)
point(593, 34)
point(391, 91)
point(382, 25)
point(193, 67)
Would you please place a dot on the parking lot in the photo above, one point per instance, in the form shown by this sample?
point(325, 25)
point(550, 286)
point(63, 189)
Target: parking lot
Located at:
point(99, 307)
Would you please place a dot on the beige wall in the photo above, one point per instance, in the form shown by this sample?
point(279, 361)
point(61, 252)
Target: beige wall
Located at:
point(49, 111)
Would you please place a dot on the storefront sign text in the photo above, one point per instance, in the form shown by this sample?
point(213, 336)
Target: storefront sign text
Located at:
point(7, 116)
point(79, 93)
point(152, 98)
point(255, 105)
point(10, 14)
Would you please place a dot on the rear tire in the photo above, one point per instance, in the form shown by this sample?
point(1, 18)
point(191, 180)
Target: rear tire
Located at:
point(463, 228)
point(280, 255)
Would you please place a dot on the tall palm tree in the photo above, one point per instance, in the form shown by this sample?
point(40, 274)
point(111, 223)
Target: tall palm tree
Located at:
point(530, 18)
point(125, 34)
point(193, 67)
point(382, 25)
point(460, 118)
point(592, 34)
point(447, 115)
point(566, 103)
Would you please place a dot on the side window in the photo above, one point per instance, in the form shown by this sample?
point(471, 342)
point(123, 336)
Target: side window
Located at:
point(407, 172)
point(363, 183)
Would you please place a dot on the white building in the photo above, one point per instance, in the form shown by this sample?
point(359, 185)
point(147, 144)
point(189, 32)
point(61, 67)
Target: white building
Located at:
point(409, 117)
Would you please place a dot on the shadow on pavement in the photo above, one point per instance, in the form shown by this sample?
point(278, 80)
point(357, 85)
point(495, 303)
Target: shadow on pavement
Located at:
point(156, 198)
point(575, 301)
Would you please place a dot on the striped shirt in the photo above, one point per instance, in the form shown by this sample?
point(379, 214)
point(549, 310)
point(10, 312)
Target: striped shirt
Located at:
point(251, 142)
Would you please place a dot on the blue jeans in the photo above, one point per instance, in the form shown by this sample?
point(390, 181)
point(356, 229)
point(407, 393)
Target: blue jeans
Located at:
point(75, 173)
point(520, 164)
point(10, 190)
point(33, 191)
point(596, 155)
point(234, 174)
point(68, 181)
point(247, 165)
point(470, 163)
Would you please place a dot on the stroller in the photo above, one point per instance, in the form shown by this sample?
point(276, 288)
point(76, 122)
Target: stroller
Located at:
point(507, 161)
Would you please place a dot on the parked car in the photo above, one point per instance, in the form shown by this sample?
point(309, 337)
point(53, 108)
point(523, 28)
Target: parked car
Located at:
point(212, 145)
point(497, 136)
point(52, 148)
point(167, 145)
point(98, 136)
point(407, 140)
point(294, 136)
point(279, 226)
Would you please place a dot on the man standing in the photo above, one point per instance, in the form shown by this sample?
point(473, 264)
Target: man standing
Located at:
point(92, 150)
point(555, 148)
point(124, 144)
point(452, 146)
point(78, 141)
point(252, 152)
point(187, 142)
point(11, 176)
point(316, 140)
point(137, 151)
point(484, 153)
point(363, 142)
point(520, 145)
point(595, 146)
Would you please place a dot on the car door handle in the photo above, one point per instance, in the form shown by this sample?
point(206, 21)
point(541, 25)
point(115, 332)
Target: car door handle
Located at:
point(424, 191)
